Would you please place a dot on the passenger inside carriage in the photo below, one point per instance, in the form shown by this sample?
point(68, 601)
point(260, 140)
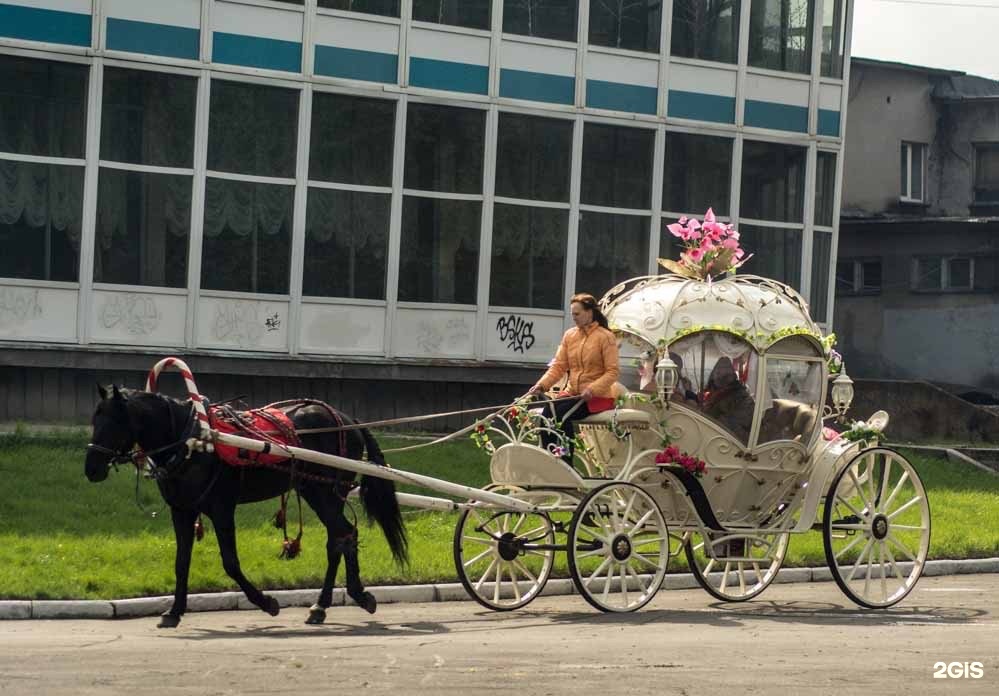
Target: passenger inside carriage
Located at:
point(727, 400)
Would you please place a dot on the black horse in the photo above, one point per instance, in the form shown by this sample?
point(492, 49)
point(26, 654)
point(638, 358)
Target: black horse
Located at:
point(201, 483)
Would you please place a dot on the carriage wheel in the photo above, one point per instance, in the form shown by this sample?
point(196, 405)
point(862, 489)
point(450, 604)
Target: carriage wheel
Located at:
point(618, 547)
point(494, 557)
point(876, 528)
point(746, 564)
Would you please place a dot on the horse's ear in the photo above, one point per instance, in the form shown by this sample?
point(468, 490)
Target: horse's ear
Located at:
point(102, 392)
point(117, 394)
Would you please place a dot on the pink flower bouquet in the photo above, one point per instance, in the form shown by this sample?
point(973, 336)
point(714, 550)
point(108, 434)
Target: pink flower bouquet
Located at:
point(711, 248)
point(673, 455)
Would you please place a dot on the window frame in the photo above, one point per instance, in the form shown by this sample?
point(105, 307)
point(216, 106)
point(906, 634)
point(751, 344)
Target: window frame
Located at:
point(945, 272)
point(977, 147)
point(859, 287)
point(905, 195)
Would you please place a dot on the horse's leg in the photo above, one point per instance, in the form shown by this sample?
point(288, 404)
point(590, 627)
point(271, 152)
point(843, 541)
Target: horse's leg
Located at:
point(328, 508)
point(355, 589)
point(183, 532)
point(225, 531)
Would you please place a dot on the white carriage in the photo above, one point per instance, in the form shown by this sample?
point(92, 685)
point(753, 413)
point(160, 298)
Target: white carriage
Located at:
point(772, 469)
point(732, 375)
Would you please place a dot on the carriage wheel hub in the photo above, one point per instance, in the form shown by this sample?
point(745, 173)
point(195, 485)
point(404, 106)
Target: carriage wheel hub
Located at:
point(508, 547)
point(621, 547)
point(879, 527)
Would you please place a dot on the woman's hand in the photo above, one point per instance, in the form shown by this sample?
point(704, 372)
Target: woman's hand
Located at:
point(587, 394)
point(536, 389)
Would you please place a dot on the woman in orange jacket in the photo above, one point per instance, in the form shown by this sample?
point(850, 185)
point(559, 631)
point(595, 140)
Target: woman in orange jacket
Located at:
point(588, 354)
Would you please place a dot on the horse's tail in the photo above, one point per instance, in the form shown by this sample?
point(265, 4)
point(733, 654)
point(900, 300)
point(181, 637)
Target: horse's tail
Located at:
point(378, 498)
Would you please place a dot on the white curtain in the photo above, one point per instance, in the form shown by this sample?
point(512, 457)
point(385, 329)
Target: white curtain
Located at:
point(242, 204)
point(43, 195)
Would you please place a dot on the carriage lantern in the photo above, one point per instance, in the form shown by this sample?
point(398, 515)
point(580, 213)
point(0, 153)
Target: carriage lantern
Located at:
point(667, 377)
point(842, 392)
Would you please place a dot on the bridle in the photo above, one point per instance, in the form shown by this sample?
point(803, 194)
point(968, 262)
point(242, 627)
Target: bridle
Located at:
point(143, 459)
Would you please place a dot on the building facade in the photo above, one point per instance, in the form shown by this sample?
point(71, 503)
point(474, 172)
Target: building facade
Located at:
point(916, 281)
point(408, 183)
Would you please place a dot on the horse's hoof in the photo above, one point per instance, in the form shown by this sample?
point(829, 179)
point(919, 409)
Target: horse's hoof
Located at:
point(368, 602)
point(169, 621)
point(316, 616)
point(271, 606)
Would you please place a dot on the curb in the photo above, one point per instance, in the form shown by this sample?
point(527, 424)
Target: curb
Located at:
point(388, 594)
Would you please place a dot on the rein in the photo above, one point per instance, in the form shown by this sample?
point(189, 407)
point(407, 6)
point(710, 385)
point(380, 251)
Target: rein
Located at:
point(432, 416)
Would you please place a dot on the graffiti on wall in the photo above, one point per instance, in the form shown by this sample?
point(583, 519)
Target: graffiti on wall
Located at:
point(242, 323)
point(134, 313)
point(516, 333)
point(443, 337)
point(18, 305)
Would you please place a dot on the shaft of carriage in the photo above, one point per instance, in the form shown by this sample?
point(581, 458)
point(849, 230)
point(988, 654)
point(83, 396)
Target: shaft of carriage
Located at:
point(421, 501)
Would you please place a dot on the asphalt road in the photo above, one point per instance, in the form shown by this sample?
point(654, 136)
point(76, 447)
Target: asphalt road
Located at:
point(793, 639)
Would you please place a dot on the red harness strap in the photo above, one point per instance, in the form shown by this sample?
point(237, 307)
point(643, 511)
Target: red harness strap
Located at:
point(267, 424)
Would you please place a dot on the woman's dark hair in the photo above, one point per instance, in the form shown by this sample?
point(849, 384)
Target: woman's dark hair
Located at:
point(589, 302)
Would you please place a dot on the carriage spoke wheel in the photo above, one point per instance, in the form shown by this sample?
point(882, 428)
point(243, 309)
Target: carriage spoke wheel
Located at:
point(496, 558)
point(618, 547)
point(742, 566)
point(876, 528)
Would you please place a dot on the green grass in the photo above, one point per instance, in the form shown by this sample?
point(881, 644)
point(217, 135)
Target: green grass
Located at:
point(63, 537)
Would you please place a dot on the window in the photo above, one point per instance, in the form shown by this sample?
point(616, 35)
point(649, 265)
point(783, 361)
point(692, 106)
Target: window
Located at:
point(945, 274)
point(43, 108)
point(780, 35)
point(833, 37)
point(773, 182)
point(987, 173)
point(617, 166)
point(912, 170)
point(386, 8)
point(473, 14)
point(611, 249)
point(825, 188)
point(706, 29)
point(252, 136)
point(776, 252)
point(631, 24)
point(529, 242)
point(793, 393)
point(821, 255)
point(718, 377)
point(346, 231)
point(698, 173)
point(440, 234)
point(533, 157)
point(444, 148)
point(858, 277)
point(439, 256)
point(346, 237)
point(143, 222)
point(548, 19)
point(528, 256)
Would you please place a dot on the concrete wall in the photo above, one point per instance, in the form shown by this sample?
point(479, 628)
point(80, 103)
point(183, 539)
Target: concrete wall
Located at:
point(961, 126)
point(886, 106)
point(60, 385)
point(923, 413)
point(901, 334)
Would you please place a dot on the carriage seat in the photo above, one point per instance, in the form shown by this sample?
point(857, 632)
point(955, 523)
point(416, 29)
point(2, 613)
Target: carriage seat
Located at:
point(787, 420)
point(626, 418)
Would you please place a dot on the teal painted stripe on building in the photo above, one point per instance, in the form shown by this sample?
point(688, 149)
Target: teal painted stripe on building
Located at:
point(784, 117)
point(256, 52)
point(701, 107)
point(53, 26)
point(620, 97)
point(445, 74)
point(355, 64)
point(535, 86)
point(154, 39)
point(828, 122)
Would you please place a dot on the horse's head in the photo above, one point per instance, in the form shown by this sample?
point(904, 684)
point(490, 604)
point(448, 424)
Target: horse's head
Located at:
point(113, 436)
